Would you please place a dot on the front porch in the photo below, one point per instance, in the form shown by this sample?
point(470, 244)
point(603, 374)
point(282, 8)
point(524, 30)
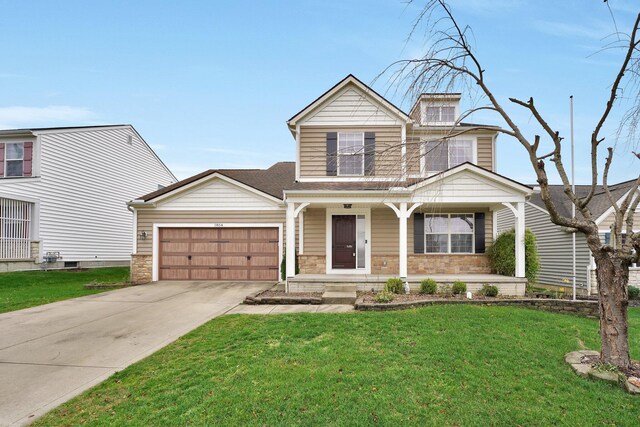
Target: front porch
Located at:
point(511, 286)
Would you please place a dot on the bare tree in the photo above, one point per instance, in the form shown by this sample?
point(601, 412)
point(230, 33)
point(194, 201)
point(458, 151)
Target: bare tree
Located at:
point(450, 61)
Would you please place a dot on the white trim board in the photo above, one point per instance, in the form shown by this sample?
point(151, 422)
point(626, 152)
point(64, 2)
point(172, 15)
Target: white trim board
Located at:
point(156, 233)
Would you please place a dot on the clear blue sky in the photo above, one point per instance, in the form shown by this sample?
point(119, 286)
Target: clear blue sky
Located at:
point(211, 84)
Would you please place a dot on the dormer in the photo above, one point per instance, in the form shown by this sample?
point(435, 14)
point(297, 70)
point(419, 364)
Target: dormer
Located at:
point(436, 109)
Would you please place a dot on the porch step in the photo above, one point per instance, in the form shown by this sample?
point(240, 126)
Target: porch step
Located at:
point(340, 287)
point(339, 297)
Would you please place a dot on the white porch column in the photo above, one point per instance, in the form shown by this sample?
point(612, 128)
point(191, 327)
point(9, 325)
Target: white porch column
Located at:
point(291, 240)
point(520, 259)
point(301, 233)
point(402, 219)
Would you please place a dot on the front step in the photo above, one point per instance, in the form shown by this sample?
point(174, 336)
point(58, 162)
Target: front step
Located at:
point(339, 297)
point(340, 287)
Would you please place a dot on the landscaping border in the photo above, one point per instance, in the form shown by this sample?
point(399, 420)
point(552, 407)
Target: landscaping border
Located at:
point(256, 299)
point(580, 308)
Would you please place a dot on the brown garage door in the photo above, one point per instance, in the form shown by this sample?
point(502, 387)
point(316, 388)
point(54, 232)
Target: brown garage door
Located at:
point(218, 254)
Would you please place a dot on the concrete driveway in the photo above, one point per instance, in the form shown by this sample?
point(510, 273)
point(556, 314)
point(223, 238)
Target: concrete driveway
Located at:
point(50, 353)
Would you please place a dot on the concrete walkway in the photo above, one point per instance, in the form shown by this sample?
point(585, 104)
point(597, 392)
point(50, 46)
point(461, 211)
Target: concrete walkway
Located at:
point(50, 353)
point(291, 308)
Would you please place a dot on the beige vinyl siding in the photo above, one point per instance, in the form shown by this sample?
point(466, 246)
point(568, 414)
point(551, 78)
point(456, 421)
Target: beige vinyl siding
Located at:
point(315, 229)
point(554, 247)
point(485, 152)
point(146, 219)
point(607, 222)
point(385, 233)
point(313, 149)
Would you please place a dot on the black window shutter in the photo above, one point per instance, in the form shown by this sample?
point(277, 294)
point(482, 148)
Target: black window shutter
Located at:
point(369, 153)
point(418, 233)
point(332, 153)
point(479, 232)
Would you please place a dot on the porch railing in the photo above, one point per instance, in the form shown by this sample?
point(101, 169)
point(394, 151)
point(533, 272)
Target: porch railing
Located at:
point(15, 229)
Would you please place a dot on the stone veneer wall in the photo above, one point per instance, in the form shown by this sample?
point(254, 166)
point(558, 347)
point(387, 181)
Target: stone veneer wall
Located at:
point(35, 249)
point(141, 266)
point(634, 279)
point(312, 264)
point(448, 264)
point(385, 264)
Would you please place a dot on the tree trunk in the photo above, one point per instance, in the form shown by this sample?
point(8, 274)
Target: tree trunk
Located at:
point(613, 278)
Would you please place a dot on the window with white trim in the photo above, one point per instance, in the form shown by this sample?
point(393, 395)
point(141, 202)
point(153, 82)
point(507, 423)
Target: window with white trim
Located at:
point(449, 233)
point(350, 153)
point(13, 159)
point(443, 155)
point(440, 114)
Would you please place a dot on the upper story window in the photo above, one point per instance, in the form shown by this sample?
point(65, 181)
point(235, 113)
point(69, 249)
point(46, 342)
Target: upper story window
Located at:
point(440, 114)
point(351, 153)
point(14, 159)
point(443, 155)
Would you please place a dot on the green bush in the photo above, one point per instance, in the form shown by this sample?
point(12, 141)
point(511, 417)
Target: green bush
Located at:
point(488, 290)
point(634, 292)
point(428, 286)
point(458, 287)
point(502, 255)
point(394, 285)
point(283, 267)
point(384, 296)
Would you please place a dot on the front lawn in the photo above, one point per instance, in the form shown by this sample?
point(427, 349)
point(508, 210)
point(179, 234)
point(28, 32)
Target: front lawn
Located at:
point(30, 288)
point(444, 365)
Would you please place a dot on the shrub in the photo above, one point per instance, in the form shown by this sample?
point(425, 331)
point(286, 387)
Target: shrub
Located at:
point(458, 287)
point(502, 254)
point(394, 285)
point(428, 286)
point(445, 290)
point(283, 267)
point(634, 292)
point(384, 296)
point(488, 290)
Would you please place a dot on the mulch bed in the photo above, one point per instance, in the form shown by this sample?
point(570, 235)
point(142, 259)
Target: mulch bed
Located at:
point(634, 371)
point(108, 285)
point(368, 297)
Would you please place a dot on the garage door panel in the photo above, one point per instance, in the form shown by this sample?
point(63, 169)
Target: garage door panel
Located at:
point(174, 274)
point(204, 247)
point(233, 254)
point(175, 233)
point(234, 248)
point(263, 248)
point(174, 247)
point(204, 274)
point(202, 260)
point(205, 233)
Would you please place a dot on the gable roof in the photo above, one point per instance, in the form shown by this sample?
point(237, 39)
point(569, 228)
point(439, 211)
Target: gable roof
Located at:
point(337, 87)
point(598, 205)
point(271, 181)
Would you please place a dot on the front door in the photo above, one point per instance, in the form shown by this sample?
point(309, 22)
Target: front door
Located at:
point(344, 241)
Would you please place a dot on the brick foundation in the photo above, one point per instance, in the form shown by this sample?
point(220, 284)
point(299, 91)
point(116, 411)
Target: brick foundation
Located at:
point(312, 264)
point(385, 264)
point(141, 266)
point(448, 264)
point(35, 250)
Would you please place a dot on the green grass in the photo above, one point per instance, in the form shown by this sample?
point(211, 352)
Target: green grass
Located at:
point(443, 365)
point(30, 288)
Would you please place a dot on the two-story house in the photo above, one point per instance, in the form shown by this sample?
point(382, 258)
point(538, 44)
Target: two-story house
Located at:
point(63, 195)
point(374, 192)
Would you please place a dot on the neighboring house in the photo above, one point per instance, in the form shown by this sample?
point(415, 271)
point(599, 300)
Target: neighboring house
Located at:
point(554, 243)
point(63, 191)
point(374, 192)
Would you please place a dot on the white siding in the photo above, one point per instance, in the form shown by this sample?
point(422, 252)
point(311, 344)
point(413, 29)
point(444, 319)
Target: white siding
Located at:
point(351, 107)
point(86, 179)
point(465, 186)
point(554, 247)
point(218, 194)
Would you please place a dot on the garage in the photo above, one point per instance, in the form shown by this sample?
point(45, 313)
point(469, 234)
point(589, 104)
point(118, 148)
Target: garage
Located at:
point(232, 254)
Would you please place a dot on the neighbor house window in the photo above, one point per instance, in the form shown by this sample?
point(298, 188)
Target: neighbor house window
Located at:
point(14, 159)
point(442, 155)
point(440, 114)
point(448, 233)
point(350, 153)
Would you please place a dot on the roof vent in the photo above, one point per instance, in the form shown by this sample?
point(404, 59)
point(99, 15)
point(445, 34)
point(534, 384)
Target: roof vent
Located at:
point(130, 139)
